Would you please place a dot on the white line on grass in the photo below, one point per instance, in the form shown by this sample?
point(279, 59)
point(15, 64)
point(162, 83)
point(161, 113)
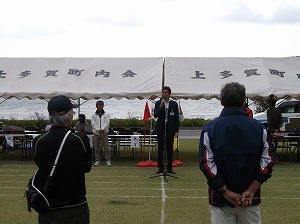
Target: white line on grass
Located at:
point(141, 196)
point(176, 197)
point(136, 188)
point(163, 200)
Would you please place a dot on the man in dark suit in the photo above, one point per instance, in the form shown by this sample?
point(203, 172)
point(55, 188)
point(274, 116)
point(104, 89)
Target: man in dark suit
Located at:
point(167, 127)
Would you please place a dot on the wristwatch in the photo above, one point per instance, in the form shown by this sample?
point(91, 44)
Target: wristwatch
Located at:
point(223, 189)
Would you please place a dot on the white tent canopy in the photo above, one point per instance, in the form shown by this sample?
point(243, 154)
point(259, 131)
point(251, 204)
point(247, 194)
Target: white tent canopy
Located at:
point(86, 78)
point(194, 78)
point(204, 77)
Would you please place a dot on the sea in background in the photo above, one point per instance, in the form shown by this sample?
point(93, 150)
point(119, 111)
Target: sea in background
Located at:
point(123, 108)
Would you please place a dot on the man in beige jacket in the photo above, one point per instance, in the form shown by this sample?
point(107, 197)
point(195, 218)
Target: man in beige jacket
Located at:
point(100, 124)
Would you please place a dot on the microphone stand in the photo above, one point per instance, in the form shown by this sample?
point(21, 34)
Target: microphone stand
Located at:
point(165, 173)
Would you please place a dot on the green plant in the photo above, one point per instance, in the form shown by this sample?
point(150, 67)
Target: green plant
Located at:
point(41, 122)
point(194, 122)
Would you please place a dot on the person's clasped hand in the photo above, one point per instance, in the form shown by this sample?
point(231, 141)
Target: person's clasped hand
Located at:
point(247, 198)
point(233, 198)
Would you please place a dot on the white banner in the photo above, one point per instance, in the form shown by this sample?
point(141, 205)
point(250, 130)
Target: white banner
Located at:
point(86, 78)
point(204, 77)
point(94, 78)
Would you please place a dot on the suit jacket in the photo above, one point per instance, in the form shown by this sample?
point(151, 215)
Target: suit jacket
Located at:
point(172, 118)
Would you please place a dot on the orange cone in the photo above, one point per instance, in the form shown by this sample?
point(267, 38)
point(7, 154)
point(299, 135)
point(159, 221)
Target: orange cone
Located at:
point(178, 162)
point(174, 164)
point(149, 162)
point(142, 164)
point(154, 164)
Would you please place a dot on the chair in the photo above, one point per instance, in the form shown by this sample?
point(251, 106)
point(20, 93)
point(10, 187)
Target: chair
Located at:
point(113, 142)
point(125, 140)
point(294, 123)
point(147, 132)
point(135, 129)
point(293, 127)
point(31, 128)
point(117, 129)
point(8, 145)
point(125, 132)
point(15, 141)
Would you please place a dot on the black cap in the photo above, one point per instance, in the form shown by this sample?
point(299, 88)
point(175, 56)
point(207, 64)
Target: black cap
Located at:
point(59, 105)
point(100, 102)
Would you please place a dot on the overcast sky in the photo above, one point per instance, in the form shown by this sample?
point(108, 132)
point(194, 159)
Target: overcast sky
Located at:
point(150, 28)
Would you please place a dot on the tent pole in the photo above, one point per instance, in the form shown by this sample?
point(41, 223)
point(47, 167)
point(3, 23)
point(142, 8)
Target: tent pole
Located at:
point(150, 138)
point(78, 103)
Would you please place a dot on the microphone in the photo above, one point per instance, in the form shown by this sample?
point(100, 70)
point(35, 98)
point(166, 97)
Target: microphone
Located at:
point(162, 102)
point(166, 118)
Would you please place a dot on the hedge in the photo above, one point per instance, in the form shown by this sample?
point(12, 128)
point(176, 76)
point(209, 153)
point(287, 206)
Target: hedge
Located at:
point(132, 122)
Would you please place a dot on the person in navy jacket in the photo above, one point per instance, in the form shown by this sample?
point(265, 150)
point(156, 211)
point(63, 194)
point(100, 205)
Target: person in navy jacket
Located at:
point(166, 110)
point(236, 156)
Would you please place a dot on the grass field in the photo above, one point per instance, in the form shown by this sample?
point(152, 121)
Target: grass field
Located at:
point(125, 194)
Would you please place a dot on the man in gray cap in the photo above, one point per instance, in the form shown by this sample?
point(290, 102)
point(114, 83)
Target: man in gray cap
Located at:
point(67, 194)
point(100, 124)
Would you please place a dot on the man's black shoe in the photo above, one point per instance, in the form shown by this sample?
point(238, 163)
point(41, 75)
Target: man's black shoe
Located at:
point(159, 171)
point(171, 171)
